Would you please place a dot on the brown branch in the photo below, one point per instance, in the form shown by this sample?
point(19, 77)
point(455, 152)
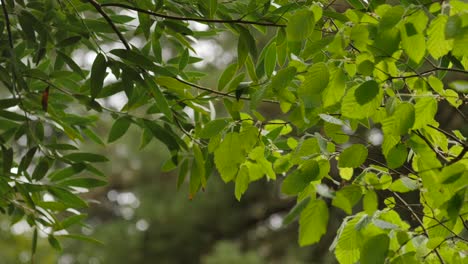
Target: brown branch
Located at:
point(430, 145)
point(448, 135)
point(220, 93)
point(197, 19)
point(460, 156)
point(420, 222)
point(427, 72)
point(98, 7)
point(8, 26)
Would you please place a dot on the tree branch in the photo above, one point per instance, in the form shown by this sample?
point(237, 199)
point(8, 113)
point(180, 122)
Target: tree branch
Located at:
point(427, 72)
point(420, 222)
point(98, 7)
point(197, 19)
point(220, 93)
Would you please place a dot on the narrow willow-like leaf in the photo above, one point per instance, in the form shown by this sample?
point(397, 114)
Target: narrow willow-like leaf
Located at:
point(98, 73)
point(119, 128)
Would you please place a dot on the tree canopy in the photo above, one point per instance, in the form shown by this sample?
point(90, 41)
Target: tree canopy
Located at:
point(342, 102)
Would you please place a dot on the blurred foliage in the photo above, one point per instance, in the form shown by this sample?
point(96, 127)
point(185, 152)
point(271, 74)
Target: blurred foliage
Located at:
point(338, 107)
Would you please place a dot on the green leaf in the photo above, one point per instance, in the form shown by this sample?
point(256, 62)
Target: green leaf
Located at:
point(91, 135)
point(229, 155)
point(295, 211)
point(437, 45)
point(245, 45)
point(366, 92)
point(403, 185)
point(332, 120)
point(135, 57)
point(165, 135)
point(396, 157)
point(54, 242)
point(313, 222)
point(316, 80)
point(183, 170)
point(414, 45)
point(282, 79)
point(226, 76)
point(7, 154)
point(370, 202)
point(347, 197)
point(83, 238)
point(214, 127)
point(404, 118)
point(453, 27)
point(41, 169)
point(391, 18)
point(83, 182)
point(68, 198)
point(375, 249)
point(212, 6)
point(85, 156)
point(72, 64)
point(270, 59)
point(353, 109)
point(242, 182)
point(455, 204)
point(159, 97)
point(353, 156)
point(336, 88)
point(425, 110)
point(69, 221)
point(7, 103)
point(300, 179)
point(358, 4)
point(98, 73)
point(26, 160)
point(67, 172)
point(300, 25)
point(119, 128)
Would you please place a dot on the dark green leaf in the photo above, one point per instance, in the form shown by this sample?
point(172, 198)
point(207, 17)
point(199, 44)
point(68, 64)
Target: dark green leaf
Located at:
point(98, 73)
point(226, 76)
point(85, 157)
point(67, 172)
point(83, 182)
point(54, 242)
point(375, 249)
point(214, 127)
point(68, 198)
point(366, 92)
point(300, 179)
point(41, 169)
point(119, 128)
point(353, 156)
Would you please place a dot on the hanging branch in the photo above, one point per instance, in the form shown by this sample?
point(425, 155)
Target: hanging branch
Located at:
point(197, 19)
point(98, 8)
point(196, 86)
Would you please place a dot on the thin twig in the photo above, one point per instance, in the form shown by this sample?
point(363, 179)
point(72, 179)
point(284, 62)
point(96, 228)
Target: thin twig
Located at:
point(448, 135)
point(98, 7)
point(430, 145)
point(427, 72)
point(221, 93)
point(420, 222)
point(197, 19)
